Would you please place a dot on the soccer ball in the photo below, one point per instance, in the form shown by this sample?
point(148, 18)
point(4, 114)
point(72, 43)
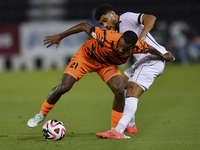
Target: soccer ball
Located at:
point(53, 130)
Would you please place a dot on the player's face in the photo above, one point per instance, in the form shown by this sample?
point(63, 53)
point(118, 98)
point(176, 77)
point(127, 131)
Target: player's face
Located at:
point(109, 21)
point(123, 47)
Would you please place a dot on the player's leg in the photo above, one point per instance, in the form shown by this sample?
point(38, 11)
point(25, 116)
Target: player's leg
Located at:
point(112, 77)
point(128, 113)
point(134, 91)
point(116, 85)
point(73, 72)
point(141, 79)
point(66, 83)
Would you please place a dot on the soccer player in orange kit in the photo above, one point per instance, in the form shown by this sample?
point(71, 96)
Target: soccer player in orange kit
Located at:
point(101, 54)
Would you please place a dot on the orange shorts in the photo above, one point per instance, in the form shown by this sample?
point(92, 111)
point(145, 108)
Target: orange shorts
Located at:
point(79, 65)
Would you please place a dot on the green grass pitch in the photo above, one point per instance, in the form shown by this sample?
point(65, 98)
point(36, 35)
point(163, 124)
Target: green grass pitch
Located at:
point(167, 118)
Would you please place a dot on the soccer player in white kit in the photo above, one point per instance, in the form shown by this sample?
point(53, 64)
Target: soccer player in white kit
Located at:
point(140, 76)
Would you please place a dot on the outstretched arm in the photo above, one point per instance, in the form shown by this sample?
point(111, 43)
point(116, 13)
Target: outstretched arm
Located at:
point(56, 39)
point(148, 21)
point(167, 56)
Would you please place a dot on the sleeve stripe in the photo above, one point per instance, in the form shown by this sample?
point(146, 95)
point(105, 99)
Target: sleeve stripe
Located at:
point(139, 18)
point(153, 41)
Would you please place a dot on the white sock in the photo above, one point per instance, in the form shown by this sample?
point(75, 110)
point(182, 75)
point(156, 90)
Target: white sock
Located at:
point(132, 121)
point(129, 112)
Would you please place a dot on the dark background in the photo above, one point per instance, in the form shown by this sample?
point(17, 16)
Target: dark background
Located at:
point(185, 12)
point(16, 11)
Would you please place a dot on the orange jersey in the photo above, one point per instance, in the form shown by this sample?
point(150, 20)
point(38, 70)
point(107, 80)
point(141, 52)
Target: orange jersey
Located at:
point(102, 48)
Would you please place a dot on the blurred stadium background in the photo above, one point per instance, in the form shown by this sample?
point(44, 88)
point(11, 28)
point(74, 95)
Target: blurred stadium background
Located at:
point(167, 115)
point(24, 24)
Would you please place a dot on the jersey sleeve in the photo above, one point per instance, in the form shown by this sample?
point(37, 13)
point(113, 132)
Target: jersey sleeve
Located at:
point(139, 18)
point(130, 17)
point(141, 47)
point(96, 32)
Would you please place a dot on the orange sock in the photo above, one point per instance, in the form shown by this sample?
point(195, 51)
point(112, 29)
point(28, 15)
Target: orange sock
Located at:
point(46, 107)
point(116, 116)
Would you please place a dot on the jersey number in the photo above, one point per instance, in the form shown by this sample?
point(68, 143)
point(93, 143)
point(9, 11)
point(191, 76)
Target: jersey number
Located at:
point(74, 65)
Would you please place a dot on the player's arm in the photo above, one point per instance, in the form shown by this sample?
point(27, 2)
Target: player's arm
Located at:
point(56, 39)
point(167, 56)
point(143, 47)
point(148, 21)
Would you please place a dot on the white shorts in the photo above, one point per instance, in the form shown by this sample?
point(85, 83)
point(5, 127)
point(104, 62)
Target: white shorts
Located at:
point(143, 72)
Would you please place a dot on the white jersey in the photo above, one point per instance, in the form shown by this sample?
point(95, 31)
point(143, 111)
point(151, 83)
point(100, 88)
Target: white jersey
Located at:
point(146, 68)
point(132, 21)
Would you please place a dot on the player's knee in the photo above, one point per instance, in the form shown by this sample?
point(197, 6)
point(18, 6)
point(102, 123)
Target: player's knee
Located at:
point(134, 90)
point(116, 84)
point(119, 90)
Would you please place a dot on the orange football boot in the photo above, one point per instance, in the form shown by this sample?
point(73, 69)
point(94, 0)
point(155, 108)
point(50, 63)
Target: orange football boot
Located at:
point(131, 130)
point(112, 134)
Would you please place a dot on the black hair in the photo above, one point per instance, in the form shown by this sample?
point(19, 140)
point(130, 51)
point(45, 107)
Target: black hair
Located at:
point(130, 37)
point(102, 10)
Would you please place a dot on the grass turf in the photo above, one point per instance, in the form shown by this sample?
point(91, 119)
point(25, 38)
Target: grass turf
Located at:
point(167, 116)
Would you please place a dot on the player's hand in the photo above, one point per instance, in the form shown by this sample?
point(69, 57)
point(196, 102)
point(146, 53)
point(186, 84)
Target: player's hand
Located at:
point(168, 57)
point(50, 40)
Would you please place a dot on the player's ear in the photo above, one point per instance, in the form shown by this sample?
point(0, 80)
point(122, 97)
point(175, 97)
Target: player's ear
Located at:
point(113, 13)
